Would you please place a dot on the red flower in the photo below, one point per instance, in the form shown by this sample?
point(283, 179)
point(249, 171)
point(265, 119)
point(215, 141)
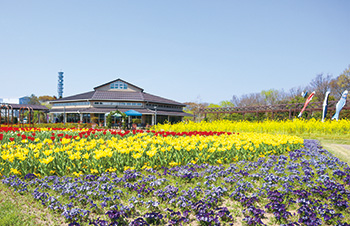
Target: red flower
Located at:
point(24, 136)
point(12, 138)
point(1, 136)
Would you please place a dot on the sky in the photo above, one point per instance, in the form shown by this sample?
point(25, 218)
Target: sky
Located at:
point(184, 50)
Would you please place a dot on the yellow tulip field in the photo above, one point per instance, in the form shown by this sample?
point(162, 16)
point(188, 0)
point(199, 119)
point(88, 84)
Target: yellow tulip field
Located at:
point(77, 152)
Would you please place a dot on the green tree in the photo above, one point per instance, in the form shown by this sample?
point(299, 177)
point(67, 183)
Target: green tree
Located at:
point(342, 82)
point(109, 118)
point(270, 96)
point(226, 103)
point(214, 106)
point(46, 98)
point(34, 100)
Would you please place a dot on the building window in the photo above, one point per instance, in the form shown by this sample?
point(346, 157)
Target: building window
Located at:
point(119, 103)
point(119, 85)
point(71, 104)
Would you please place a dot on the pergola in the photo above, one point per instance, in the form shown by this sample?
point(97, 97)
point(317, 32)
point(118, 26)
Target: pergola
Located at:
point(292, 109)
point(10, 110)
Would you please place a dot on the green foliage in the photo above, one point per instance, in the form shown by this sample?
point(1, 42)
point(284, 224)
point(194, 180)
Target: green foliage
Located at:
point(137, 121)
point(46, 98)
point(109, 118)
point(234, 117)
point(270, 96)
point(93, 118)
point(34, 100)
point(343, 80)
point(37, 115)
point(214, 106)
point(226, 103)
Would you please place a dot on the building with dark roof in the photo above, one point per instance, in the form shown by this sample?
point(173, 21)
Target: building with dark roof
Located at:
point(117, 95)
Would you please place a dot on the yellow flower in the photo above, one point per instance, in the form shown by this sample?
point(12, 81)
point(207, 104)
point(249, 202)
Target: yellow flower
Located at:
point(47, 160)
point(47, 152)
point(151, 153)
point(86, 156)
point(93, 171)
point(71, 157)
point(77, 174)
point(111, 169)
point(172, 164)
point(136, 155)
point(128, 168)
point(15, 171)
point(65, 141)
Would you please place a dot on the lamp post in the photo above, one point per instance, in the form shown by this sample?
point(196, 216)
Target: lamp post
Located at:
point(155, 115)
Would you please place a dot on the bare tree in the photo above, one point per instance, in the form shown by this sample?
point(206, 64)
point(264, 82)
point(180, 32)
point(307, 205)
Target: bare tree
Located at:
point(296, 91)
point(236, 101)
point(252, 99)
point(321, 84)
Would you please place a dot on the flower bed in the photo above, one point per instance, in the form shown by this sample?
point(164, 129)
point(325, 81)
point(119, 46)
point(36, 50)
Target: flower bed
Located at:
point(63, 152)
point(295, 126)
point(307, 186)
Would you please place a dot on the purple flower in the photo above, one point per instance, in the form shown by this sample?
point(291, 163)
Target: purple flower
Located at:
point(138, 222)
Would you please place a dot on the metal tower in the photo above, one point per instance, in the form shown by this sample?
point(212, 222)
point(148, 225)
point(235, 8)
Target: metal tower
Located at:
point(60, 85)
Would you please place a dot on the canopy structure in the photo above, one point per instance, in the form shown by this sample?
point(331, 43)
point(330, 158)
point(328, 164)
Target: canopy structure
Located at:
point(132, 113)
